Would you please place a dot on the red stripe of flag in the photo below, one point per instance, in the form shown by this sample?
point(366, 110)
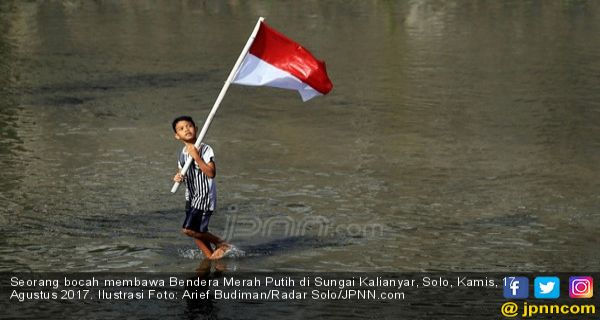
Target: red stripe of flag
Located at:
point(285, 54)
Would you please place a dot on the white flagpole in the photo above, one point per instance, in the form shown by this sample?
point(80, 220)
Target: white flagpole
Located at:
point(211, 115)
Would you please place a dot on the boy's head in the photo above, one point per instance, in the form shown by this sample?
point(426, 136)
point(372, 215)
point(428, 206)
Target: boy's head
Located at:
point(184, 128)
point(182, 118)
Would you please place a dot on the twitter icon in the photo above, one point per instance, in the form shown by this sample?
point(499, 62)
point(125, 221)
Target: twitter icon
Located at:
point(546, 287)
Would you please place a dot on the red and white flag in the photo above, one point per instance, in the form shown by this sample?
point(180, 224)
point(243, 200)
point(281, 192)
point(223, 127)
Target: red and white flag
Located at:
point(277, 61)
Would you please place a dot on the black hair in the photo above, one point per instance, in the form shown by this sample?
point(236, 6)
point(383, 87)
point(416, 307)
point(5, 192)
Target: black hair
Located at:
point(182, 118)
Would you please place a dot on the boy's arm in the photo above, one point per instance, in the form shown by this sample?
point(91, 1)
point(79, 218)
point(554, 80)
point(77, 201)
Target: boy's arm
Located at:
point(209, 169)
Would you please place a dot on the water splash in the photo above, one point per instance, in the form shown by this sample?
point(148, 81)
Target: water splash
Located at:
point(234, 252)
point(195, 254)
point(190, 254)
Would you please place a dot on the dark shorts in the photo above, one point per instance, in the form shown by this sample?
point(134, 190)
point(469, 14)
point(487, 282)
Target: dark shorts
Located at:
point(196, 219)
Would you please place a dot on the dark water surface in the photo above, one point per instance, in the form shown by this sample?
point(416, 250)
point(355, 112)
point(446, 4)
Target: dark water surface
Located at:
point(460, 135)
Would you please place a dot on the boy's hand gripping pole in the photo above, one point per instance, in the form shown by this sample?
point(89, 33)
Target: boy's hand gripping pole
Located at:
point(211, 115)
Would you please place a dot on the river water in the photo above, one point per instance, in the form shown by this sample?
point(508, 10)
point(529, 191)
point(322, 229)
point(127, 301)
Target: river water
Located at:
point(460, 136)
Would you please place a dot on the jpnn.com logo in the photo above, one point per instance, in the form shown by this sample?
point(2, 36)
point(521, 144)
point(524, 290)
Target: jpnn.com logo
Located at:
point(516, 287)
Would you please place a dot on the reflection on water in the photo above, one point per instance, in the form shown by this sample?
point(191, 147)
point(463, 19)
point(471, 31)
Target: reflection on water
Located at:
point(468, 130)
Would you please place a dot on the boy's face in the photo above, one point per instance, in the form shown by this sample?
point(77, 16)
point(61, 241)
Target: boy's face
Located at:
point(185, 130)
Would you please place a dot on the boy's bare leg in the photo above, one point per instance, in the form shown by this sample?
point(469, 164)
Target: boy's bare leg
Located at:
point(218, 242)
point(204, 246)
point(200, 241)
point(220, 246)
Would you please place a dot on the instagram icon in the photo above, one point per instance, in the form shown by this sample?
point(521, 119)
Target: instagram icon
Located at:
point(581, 287)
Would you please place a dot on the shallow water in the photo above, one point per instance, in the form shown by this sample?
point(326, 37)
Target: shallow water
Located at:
point(459, 136)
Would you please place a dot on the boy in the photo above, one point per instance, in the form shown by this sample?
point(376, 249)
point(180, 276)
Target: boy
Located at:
point(201, 191)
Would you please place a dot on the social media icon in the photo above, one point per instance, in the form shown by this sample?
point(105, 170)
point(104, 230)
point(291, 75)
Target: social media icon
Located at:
point(581, 287)
point(516, 287)
point(546, 287)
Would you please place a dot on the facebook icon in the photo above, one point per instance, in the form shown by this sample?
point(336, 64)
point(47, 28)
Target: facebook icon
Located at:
point(516, 287)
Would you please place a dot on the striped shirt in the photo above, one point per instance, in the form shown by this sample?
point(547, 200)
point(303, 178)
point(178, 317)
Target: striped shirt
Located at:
point(201, 190)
